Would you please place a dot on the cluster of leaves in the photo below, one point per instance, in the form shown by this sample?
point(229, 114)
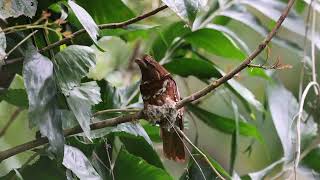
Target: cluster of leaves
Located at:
point(66, 85)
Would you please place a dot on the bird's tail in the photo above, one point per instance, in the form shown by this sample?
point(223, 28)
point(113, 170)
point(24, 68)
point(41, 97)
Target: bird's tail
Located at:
point(173, 146)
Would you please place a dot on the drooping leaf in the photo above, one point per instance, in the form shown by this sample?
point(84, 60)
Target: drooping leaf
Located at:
point(80, 99)
point(284, 107)
point(215, 42)
point(86, 20)
point(136, 168)
point(40, 85)
point(223, 124)
point(197, 67)
point(311, 160)
point(186, 9)
point(166, 37)
point(79, 164)
point(71, 65)
point(138, 146)
point(15, 8)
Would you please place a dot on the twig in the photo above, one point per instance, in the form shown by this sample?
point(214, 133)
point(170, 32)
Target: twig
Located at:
point(19, 44)
point(122, 119)
point(11, 120)
point(116, 111)
point(105, 26)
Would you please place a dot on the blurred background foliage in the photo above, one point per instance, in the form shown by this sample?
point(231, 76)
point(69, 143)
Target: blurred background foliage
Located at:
point(247, 126)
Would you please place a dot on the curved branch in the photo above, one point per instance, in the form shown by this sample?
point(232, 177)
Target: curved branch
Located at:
point(105, 26)
point(122, 119)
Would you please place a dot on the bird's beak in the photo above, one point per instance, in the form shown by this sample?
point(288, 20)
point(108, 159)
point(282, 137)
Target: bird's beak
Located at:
point(141, 63)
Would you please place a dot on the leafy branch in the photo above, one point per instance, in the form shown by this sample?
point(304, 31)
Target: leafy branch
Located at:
point(139, 115)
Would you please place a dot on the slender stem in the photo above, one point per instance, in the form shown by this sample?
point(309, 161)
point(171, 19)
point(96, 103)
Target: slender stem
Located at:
point(131, 117)
point(116, 111)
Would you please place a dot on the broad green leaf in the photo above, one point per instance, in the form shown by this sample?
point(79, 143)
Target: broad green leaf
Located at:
point(138, 146)
point(215, 42)
point(16, 8)
point(71, 65)
point(136, 168)
point(3, 46)
point(311, 160)
point(284, 107)
point(224, 124)
point(166, 37)
point(194, 173)
point(264, 172)
point(197, 67)
point(186, 9)
point(86, 20)
point(107, 11)
point(41, 89)
point(17, 97)
point(79, 164)
point(43, 168)
point(152, 131)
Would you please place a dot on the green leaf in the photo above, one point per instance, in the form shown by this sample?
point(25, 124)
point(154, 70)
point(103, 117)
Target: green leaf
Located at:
point(166, 37)
point(86, 20)
point(138, 146)
point(40, 86)
point(44, 168)
point(224, 124)
point(16, 8)
point(136, 168)
point(152, 131)
point(197, 67)
point(215, 42)
point(194, 173)
point(186, 9)
point(311, 160)
point(80, 99)
point(79, 164)
point(284, 107)
point(17, 97)
point(71, 65)
point(107, 11)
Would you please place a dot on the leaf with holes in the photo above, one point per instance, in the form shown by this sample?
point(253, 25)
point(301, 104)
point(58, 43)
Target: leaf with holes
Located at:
point(15, 8)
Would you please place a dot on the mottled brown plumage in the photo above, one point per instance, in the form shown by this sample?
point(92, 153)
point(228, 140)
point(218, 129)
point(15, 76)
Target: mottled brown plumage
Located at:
point(160, 94)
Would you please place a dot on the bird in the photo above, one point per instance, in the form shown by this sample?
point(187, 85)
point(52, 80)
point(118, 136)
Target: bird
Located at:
point(160, 94)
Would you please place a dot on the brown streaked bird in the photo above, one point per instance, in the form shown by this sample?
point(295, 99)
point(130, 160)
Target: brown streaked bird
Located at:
point(160, 93)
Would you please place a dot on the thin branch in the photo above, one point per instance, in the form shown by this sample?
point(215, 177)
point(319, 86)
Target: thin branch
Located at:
point(68, 132)
point(131, 117)
point(11, 120)
point(116, 111)
point(243, 65)
point(105, 26)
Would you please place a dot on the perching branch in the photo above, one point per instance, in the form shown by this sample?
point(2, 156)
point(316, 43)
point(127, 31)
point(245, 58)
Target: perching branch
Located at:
point(122, 119)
